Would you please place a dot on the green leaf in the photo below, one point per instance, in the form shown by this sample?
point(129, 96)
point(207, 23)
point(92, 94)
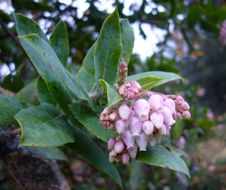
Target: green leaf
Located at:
point(9, 106)
point(43, 92)
point(91, 122)
point(86, 75)
point(25, 25)
point(43, 126)
point(149, 82)
point(108, 49)
point(59, 42)
point(49, 66)
point(159, 78)
point(127, 39)
point(112, 95)
point(92, 153)
point(160, 156)
point(51, 153)
point(28, 94)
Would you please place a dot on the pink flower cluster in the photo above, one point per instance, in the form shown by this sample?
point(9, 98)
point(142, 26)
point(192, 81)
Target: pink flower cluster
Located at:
point(139, 119)
point(222, 36)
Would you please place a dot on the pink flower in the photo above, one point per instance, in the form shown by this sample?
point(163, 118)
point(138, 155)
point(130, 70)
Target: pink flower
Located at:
point(170, 104)
point(142, 109)
point(124, 112)
point(133, 151)
point(111, 143)
point(125, 158)
point(148, 127)
point(135, 126)
point(167, 116)
point(142, 141)
point(128, 139)
point(118, 147)
point(157, 119)
point(120, 126)
point(155, 101)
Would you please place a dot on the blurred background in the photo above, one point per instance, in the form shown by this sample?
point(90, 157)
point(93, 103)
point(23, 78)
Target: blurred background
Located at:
point(181, 36)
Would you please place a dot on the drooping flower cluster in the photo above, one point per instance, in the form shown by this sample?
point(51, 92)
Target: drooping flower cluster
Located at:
point(222, 36)
point(140, 118)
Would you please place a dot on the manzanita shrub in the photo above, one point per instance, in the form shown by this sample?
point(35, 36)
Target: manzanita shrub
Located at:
point(100, 101)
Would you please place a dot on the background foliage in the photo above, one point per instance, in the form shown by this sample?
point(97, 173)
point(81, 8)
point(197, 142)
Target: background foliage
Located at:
point(190, 47)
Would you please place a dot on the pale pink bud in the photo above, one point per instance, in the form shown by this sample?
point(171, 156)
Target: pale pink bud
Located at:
point(107, 111)
point(181, 142)
point(164, 130)
point(135, 126)
point(112, 116)
point(118, 147)
point(111, 143)
point(128, 139)
point(155, 101)
point(167, 115)
point(124, 112)
point(142, 109)
point(170, 104)
point(120, 126)
point(148, 127)
point(157, 119)
point(186, 114)
point(135, 85)
point(184, 106)
point(112, 156)
point(121, 89)
point(142, 141)
point(133, 151)
point(179, 115)
point(125, 158)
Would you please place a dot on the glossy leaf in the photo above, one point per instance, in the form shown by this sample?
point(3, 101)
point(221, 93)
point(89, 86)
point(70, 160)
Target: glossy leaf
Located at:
point(92, 153)
point(160, 77)
point(91, 122)
point(25, 25)
point(86, 75)
point(28, 94)
point(9, 106)
point(108, 49)
point(127, 37)
point(43, 126)
point(43, 92)
point(49, 66)
point(160, 156)
point(59, 42)
point(112, 95)
point(149, 82)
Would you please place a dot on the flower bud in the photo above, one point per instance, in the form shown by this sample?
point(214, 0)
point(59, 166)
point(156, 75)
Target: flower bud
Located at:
point(112, 116)
point(112, 156)
point(164, 130)
point(120, 126)
point(125, 158)
point(133, 151)
point(128, 139)
point(170, 104)
point(148, 127)
point(142, 109)
point(111, 143)
point(124, 112)
point(135, 126)
point(167, 116)
point(186, 114)
point(157, 119)
point(142, 141)
point(155, 102)
point(118, 147)
point(184, 106)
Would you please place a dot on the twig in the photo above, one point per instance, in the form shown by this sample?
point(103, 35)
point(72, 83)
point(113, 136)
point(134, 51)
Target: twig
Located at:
point(9, 33)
